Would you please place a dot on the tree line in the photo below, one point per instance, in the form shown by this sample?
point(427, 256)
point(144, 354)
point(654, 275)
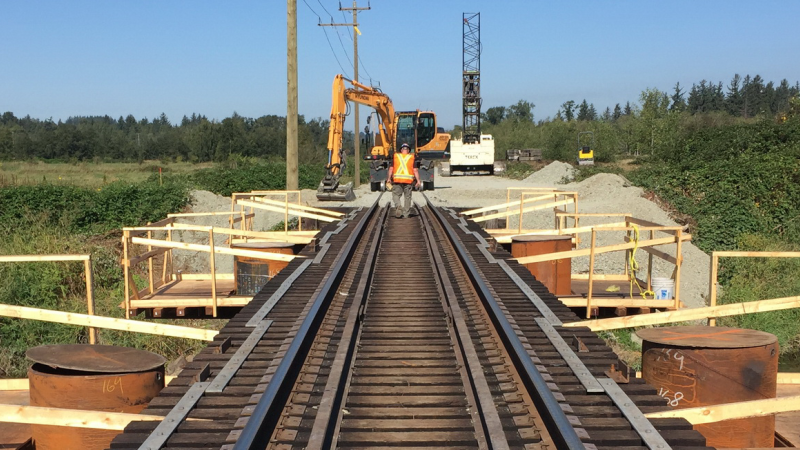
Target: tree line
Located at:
point(628, 128)
point(653, 124)
point(195, 139)
point(743, 97)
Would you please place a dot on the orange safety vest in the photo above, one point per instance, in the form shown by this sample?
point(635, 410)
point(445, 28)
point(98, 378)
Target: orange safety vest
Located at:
point(403, 168)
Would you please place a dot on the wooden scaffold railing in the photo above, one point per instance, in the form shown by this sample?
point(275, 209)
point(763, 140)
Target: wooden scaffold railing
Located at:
point(88, 275)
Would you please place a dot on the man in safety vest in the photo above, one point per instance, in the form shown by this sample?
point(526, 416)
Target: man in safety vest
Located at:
point(404, 175)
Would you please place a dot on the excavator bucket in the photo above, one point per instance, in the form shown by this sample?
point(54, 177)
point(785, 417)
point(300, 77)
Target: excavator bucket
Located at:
point(341, 193)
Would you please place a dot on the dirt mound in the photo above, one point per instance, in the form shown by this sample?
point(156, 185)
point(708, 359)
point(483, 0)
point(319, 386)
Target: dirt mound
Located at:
point(554, 173)
point(606, 185)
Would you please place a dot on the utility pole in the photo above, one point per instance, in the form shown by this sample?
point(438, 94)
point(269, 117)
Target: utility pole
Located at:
point(355, 9)
point(292, 177)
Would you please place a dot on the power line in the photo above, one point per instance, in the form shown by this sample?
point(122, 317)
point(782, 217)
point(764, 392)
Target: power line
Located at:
point(350, 35)
point(327, 38)
point(339, 35)
point(334, 52)
point(326, 10)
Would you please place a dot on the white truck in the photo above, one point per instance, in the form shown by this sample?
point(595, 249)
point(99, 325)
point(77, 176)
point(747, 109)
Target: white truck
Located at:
point(472, 159)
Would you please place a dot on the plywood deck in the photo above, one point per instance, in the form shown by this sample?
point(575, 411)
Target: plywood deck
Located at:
point(192, 294)
point(788, 424)
point(619, 296)
point(14, 435)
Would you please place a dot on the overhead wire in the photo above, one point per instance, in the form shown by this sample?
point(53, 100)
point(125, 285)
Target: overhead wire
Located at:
point(360, 62)
point(326, 35)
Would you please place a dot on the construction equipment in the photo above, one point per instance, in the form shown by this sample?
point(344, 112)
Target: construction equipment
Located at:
point(417, 128)
point(473, 153)
point(586, 152)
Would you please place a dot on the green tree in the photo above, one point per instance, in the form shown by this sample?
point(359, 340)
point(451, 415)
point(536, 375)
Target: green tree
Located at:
point(522, 111)
point(495, 114)
point(678, 102)
point(569, 110)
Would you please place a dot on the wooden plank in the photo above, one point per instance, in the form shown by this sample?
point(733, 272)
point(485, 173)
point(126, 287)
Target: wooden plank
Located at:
point(759, 254)
point(279, 209)
point(40, 258)
point(300, 207)
point(14, 384)
point(689, 314)
point(524, 210)
point(563, 231)
point(598, 250)
point(647, 223)
point(190, 302)
point(219, 250)
point(609, 277)
point(75, 418)
point(658, 253)
point(643, 228)
point(472, 212)
point(206, 276)
point(729, 411)
point(268, 235)
point(203, 214)
point(89, 274)
point(569, 214)
point(634, 302)
point(24, 312)
point(712, 285)
point(788, 378)
point(145, 256)
point(161, 224)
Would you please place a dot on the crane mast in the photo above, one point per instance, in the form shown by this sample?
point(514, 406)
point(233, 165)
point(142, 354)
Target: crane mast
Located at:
point(471, 62)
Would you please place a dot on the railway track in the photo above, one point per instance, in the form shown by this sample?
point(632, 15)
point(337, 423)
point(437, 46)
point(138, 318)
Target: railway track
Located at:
point(414, 333)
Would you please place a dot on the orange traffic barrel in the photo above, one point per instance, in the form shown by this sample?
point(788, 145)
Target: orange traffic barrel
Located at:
point(253, 273)
point(556, 275)
point(696, 366)
point(90, 377)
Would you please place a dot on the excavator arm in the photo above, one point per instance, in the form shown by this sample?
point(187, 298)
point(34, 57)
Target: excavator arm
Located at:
point(329, 188)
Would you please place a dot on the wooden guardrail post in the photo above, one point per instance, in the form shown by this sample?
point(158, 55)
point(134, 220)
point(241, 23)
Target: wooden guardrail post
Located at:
point(591, 276)
point(213, 273)
point(87, 267)
point(679, 258)
point(712, 287)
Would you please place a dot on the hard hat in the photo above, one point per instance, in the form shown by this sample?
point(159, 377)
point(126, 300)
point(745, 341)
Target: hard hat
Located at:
point(405, 145)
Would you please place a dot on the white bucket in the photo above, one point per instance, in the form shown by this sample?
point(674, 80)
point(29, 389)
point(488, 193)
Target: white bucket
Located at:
point(664, 288)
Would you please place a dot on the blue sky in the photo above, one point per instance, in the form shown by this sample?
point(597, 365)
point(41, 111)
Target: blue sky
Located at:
point(92, 57)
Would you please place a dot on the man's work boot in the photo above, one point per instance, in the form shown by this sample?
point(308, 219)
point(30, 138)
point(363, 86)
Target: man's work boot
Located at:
point(397, 213)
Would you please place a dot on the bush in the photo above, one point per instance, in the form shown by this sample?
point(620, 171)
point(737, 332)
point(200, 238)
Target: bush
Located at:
point(83, 210)
point(266, 176)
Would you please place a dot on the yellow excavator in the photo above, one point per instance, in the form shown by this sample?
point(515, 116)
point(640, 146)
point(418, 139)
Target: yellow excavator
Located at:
point(417, 128)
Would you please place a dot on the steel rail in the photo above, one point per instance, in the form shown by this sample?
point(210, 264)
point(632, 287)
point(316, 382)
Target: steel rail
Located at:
point(328, 414)
point(489, 417)
point(558, 425)
point(266, 414)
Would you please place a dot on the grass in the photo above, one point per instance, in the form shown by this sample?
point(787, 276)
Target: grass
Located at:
point(51, 229)
point(521, 170)
point(88, 174)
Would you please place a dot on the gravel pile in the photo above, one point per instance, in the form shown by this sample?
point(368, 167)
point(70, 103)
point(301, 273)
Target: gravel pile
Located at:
point(602, 193)
point(554, 173)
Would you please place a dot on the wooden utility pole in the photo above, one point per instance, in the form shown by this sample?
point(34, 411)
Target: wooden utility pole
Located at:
point(292, 177)
point(355, 9)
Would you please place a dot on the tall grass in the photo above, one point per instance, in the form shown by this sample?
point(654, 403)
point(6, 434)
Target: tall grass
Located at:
point(49, 219)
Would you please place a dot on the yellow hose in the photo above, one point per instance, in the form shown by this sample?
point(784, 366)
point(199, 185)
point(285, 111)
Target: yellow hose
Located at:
point(634, 266)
